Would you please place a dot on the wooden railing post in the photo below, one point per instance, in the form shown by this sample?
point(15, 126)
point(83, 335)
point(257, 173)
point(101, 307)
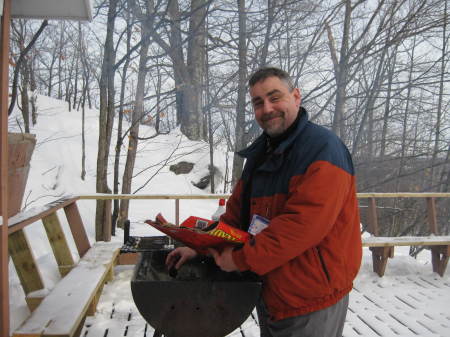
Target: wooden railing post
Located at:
point(372, 217)
point(177, 212)
point(380, 255)
point(107, 225)
point(439, 254)
point(4, 90)
point(431, 214)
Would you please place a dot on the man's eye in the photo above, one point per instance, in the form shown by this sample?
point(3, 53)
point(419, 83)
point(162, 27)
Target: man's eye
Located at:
point(274, 98)
point(257, 104)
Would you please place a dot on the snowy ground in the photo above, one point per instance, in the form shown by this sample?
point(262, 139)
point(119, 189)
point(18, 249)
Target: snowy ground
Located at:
point(56, 169)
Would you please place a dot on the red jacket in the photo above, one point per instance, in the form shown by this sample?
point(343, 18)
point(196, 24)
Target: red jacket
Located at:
point(311, 251)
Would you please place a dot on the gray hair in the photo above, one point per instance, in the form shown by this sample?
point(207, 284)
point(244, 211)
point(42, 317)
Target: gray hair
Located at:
point(265, 72)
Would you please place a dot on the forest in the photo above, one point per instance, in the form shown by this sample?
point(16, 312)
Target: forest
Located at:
point(376, 72)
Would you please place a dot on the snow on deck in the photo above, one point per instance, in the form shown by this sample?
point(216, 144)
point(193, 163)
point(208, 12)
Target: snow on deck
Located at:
point(410, 300)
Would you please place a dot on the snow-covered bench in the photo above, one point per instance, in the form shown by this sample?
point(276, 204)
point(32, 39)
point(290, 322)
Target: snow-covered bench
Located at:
point(383, 248)
point(61, 311)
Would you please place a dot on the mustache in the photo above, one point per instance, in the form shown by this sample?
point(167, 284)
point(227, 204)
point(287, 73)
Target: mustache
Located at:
point(270, 116)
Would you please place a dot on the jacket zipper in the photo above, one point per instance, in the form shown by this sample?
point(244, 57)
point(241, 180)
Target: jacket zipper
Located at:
point(322, 262)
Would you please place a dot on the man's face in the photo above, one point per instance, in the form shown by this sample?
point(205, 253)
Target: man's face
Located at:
point(276, 107)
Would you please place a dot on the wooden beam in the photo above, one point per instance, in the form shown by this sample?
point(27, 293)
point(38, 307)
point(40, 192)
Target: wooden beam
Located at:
point(23, 219)
point(128, 258)
point(107, 225)
point(77, 228)
point(402, 195)
point(373, 217)
point(381, 241)
point(24, 261)
point(431, 214)
point(4, 90)
point(177, 212)
point(105, 196)
point(58, 242)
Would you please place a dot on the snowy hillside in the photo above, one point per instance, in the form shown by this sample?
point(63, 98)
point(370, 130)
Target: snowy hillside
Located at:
point(56, 171)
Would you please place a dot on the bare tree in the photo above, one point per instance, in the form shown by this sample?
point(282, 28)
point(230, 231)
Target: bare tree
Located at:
point(107, 93)
point(242, 91)
point(138, 113)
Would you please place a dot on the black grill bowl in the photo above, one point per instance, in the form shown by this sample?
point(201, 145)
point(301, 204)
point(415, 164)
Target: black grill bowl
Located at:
point(200, 301)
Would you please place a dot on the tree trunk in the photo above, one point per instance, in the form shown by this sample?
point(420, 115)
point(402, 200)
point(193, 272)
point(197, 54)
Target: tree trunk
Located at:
point(242, 91)
point(387, 105)
point(441, 95)
point(405, 118)
point(341, 73)
point(119, 142)
point(192, 116)
point(24, 97)
point(138, 113)
point(106, 87)
point(33, 88)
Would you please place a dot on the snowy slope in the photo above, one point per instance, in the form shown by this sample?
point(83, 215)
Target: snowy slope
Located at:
point(56, 171)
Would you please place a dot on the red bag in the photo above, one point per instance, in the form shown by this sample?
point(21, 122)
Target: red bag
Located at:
point(200, 234)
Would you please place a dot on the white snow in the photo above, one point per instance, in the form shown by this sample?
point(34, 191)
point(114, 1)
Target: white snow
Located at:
point(55, 172)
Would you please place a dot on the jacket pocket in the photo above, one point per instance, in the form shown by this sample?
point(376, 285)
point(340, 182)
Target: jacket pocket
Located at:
point(322, 264)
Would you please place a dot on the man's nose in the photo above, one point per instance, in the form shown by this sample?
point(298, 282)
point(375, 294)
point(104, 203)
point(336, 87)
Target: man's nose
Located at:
point(267, 107)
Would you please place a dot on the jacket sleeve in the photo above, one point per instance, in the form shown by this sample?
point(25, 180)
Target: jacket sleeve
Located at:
point(313, 204)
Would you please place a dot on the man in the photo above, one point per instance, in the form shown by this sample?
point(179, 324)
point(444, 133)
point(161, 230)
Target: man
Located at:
point(300, 178)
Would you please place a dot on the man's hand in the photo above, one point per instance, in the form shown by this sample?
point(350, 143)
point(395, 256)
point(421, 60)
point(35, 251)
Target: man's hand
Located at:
point(224, 259)
point(179, 256)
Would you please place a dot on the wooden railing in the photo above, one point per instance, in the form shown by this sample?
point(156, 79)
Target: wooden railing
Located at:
point(382, 248)
point(30, 278)
point(373, 222)
point(21, 252)
point(61, 311)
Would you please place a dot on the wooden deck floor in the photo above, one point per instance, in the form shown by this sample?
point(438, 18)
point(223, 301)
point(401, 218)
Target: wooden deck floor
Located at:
point(404, 305)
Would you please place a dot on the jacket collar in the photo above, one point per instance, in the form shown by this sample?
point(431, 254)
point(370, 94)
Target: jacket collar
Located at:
point(259, 144)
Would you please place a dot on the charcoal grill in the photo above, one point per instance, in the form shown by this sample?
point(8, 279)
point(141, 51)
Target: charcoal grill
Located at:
point(198, 300)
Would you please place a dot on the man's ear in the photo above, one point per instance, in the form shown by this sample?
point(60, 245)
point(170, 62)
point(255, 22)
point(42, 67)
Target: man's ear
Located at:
point(298, 96)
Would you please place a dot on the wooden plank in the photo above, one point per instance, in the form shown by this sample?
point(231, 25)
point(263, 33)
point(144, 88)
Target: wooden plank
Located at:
point(24, 261)
point(381, 241)
point(58, 242)
point(4, 90)
point(128, 258)
point(63, 310)
point(403, 195)
point(177, 212)
point(105, 196)
point(19, 221)
point(77, 228)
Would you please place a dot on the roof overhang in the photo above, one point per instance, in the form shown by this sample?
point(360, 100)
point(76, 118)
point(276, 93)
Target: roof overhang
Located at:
point(52, 9)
